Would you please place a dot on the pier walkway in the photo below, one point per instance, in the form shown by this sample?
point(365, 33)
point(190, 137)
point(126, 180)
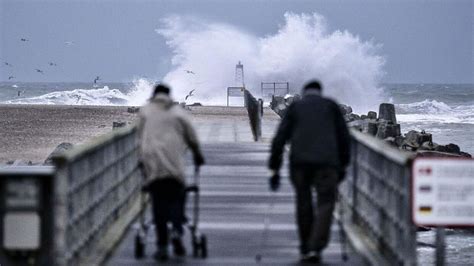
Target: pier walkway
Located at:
point(235, 202)
point(87, 203)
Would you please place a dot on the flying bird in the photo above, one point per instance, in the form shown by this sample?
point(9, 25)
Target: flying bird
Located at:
point(68, 43)
point(8, 64)
point(96, 79)
point(52, 64)
point(190, 72)
point(11, 77)
point(189, 95)
point(39, 71)
point(24, 40)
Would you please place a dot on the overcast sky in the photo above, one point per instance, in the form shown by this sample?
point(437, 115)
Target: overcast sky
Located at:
point(422, 41)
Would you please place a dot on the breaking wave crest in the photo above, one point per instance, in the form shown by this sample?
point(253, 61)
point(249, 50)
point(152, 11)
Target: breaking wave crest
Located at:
point(435, 111)
point(205, 54)
point(302, 49)
point(424, 107)
point(138, 94)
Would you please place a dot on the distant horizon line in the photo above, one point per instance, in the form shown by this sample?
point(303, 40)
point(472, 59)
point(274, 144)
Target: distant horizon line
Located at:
point(131, 81)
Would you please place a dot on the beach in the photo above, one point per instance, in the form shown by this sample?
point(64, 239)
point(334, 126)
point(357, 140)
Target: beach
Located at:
point(31, 132)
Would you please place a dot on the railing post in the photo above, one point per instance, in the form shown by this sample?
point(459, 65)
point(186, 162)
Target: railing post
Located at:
point(380, 222)
point(354, 178)
point(60, 186)
point(440, 238)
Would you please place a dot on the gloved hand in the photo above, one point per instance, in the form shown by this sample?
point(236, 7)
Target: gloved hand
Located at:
point(198, 160)
point(274, 181)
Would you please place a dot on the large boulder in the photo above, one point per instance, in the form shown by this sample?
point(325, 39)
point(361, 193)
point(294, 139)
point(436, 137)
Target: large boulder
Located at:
point(372, 127)
point(345, 109)
point(428, 146)
point(415, 138)
point(278, 105)
point(118, 124)
point(372, 115)
point(453, 148)
point(385, 130)
point(387, 112)
point(61, 148)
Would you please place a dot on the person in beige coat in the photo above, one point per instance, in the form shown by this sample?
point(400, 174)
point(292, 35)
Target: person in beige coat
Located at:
point(165, 136)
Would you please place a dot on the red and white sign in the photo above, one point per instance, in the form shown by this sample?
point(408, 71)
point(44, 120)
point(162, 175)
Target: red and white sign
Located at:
point(443, 192)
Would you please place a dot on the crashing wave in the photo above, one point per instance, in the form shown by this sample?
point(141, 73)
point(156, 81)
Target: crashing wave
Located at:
point(138, 94)
point(433, 111)
point(100, 96)
point(423, 107)
point(303, 48)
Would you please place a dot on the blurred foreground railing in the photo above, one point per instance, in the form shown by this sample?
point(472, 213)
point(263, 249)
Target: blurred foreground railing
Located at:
point(375, 200)
point(96, 197)
point(255, 111)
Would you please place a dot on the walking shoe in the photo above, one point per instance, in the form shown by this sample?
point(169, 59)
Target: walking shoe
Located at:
point(178, 247)
point(162, 254)
point(311, 258)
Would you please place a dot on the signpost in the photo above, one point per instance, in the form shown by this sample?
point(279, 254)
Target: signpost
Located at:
point(443, 196)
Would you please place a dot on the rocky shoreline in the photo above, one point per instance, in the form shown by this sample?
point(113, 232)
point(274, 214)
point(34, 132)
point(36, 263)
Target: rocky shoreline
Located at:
point(384, 126)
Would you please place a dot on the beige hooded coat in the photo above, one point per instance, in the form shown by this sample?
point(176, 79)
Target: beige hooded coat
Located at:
point(165, 134)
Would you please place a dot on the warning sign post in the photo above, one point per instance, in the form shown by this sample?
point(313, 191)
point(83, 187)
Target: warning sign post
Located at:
point(443, 192)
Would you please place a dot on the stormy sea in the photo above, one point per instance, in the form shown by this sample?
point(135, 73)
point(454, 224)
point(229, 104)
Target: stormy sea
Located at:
point(445, 110)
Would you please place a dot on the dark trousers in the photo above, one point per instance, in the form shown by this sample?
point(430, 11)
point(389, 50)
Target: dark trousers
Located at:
point(168, 198)
point(314, 224)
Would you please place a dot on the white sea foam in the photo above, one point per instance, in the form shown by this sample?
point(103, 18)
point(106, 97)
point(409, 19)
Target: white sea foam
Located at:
point(429, 111)
point(137, 95)
point(302, 49)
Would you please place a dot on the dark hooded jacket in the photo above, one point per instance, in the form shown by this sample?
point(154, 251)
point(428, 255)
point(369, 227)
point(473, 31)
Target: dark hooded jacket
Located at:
point(317, 132)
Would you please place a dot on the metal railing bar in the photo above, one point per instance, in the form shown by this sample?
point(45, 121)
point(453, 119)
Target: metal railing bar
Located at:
point(398, 156)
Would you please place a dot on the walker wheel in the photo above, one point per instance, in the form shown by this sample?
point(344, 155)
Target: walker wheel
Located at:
point(195, 247)
point(139, 247)
point(203, 245)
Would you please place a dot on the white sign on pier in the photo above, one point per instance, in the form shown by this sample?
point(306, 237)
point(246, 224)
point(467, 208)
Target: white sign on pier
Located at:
point(443, 192)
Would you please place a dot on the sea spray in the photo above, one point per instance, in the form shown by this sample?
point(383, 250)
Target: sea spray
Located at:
point(302, 49)
point(138, 94)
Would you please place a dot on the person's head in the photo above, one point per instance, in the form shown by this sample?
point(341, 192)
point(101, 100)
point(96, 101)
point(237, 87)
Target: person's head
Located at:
point(313, 85)
point(160, 88)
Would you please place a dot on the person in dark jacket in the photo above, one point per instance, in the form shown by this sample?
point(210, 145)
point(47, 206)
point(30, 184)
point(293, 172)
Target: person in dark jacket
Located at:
point(319, 153)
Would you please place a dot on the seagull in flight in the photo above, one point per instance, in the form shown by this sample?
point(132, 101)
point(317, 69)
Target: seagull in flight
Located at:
point(52, 64)
point(69, 43)
point(96, 79)
point(24, 40)
point(190, 72)
point(39, 71)
point(8, 64)
point(189, 94)
point(11, 77)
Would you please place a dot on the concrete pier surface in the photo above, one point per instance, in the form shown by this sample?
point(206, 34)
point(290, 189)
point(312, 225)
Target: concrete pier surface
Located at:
point(235, 202)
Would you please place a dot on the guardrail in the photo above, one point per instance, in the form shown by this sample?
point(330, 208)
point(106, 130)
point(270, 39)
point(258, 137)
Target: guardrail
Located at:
point(255, 111)
point(96, 197)
point(376, 198)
